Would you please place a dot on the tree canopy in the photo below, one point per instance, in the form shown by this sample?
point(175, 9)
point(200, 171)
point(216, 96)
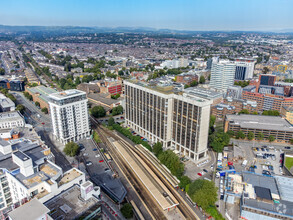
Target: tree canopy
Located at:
point(157, 148)
point(172, 162)
point(71, 149)
point(98, 111)
point(127, 211)
point(203, 193)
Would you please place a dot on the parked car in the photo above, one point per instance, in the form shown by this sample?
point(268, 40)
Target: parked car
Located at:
point(205, 170)
point(199, 174)
point(266, 172)
point(89, 163)
point(288, 148)
point(95, 149)
point(101, 161)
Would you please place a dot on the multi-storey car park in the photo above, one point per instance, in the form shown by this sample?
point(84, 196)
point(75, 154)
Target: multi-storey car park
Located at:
point(180, 120)
point(274, 126)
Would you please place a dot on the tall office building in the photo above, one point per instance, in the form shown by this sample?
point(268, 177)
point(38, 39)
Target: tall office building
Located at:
point(69, 114)
point(244, 68)
point(178, 121)
point(222, 75)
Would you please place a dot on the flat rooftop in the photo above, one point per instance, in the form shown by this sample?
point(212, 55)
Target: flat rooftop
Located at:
point(9, 116)
point(169, 89)
point(260, 122)
point(69, 176)
point(66, 94)
point(69, 205)
point(203, 93)
point(285, 186)
point(261, 181)
point(30, 210)
point(43, 92)
point(282, 208)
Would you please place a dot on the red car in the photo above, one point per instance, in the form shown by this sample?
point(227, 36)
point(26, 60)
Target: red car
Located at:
point(230, 163)
point(101, 161)
point(199, 174)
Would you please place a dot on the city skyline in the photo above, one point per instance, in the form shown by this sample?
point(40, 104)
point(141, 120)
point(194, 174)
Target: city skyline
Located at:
point(213, 15)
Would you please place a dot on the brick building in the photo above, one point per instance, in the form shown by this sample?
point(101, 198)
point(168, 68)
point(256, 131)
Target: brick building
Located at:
point(40, 94)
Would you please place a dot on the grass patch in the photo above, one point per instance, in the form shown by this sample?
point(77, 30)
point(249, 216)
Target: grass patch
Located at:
point(288, 162)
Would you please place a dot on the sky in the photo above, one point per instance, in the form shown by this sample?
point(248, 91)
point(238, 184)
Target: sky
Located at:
point(249, 15)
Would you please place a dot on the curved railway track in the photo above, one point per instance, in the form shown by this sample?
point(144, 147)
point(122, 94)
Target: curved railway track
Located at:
point(184, 208)
point(138, 186)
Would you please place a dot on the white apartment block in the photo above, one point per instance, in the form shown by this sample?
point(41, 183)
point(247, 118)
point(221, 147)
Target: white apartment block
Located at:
point(69, 115)
point(222, 75)
point(11, 120)
point(179, 121)
point(27, 171)
point(244, 68)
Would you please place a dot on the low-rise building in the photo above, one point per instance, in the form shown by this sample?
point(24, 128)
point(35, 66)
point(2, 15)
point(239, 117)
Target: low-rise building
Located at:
point(33, 209)
point(41, 94)
point(89, 88)
point(259, 196)
point(11, 120)
point(6, 105)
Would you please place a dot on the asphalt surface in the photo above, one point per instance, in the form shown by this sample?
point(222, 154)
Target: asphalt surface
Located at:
point(60, 159)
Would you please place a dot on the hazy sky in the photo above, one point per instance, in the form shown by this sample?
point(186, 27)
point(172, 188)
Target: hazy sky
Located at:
point(173, 14)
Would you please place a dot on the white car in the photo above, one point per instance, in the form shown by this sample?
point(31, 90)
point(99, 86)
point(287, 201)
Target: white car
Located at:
point(97, 155)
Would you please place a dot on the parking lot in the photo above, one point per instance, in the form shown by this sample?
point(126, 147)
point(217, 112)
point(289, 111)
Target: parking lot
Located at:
point(268, 160)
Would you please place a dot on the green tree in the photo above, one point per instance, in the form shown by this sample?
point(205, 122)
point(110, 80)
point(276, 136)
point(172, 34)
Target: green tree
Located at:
point(260, 136)
point(71, 149)
point(193, 83)
point(2, 71)
point(255, 113)
point(244, 111)
point(127, 211)
point(20, 108)
point(184, 181)
point(271, 138)
point(45, 110)
point(231, 133)
point(98, 111)
point(265, 70)
point(212, 120)
point(77, 80)
point(203, 193)
point(11, 97)
point(219, 141)
point(111, 121)
point(117, 110)
point(172, 162)
point(291, 141)
point(157, 148)
point(202, 80)
point(250, 135)
point(240, 135)
point(96, 137)
point(37, 103)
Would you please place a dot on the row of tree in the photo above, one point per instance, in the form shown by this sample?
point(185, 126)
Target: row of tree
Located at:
point(250, 135)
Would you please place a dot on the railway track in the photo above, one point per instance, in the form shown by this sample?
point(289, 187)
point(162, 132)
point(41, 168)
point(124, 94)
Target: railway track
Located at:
point(138, 186)
point(184, 208)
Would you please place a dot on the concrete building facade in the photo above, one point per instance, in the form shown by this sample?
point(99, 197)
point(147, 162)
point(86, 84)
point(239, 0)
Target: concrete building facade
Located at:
point(69, 114)
point(178, 121)
point(222, 75)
